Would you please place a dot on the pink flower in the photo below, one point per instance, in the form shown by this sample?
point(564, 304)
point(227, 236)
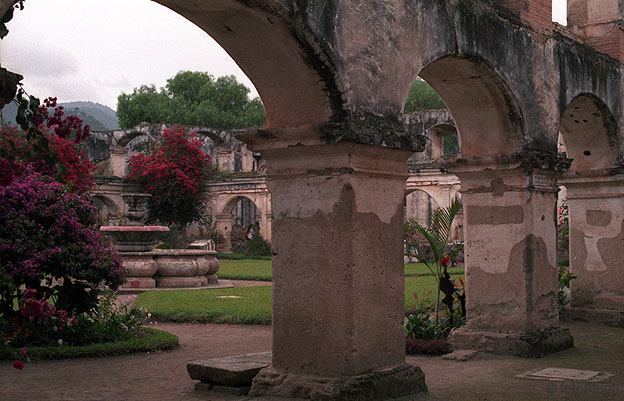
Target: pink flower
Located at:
point(23, 351)
point(19, 365)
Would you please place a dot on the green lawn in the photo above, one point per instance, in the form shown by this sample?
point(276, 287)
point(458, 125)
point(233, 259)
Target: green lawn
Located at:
point(247, 305)
point(419, 269)
point(260, 270)
point(252, 305)
point(246, 269)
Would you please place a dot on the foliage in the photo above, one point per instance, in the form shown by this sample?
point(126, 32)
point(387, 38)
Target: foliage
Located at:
point(148, 340)
point(257, 246)
point(192, 98)
point(421, 97)
point(49, 243)
point(8, 16)
point(172, 171)
point(49, 144)
point(439, 250)
point(245, 305)
point(565, 276)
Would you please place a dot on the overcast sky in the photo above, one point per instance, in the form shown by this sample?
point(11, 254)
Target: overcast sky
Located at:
point(96, 49)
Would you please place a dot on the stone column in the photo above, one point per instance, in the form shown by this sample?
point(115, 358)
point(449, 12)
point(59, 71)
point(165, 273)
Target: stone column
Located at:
point(596, 205)
point(338, 302)
point(224, 228)
point(510, 258)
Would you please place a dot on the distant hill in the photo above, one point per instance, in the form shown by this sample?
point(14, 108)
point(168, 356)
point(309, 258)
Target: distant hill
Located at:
point(98, 116)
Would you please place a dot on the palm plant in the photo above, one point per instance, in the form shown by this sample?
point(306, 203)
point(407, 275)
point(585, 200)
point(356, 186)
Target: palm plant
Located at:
point(437, 252)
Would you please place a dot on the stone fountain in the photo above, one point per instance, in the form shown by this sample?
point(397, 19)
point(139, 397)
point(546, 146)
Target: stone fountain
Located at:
point(164, 268)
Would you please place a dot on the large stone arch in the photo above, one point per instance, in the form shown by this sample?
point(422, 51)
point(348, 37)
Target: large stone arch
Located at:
point(295, 80)
point(482, 105)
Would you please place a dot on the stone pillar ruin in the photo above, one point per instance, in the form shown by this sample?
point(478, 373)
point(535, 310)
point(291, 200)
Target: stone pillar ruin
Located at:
point(599, 23)
point(224, 227)
point(596, 207)
point(337, 274)
point(510, 258)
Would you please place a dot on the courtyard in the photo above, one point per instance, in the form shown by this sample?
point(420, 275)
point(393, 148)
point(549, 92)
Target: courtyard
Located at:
point(163, 376)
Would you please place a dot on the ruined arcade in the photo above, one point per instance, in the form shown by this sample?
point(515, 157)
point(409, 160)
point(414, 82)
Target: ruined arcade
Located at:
point(334, 76)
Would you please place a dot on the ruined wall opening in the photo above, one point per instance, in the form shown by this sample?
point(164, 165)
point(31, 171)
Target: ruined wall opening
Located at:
point(488, 118)
point(588, 134)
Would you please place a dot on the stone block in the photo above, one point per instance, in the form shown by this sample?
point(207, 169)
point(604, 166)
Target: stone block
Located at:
point(178, 282)
point(461, 355)
point(536, 344)
point(374, 385)
point(139, 282)
point(609, 317)
point(232, 371)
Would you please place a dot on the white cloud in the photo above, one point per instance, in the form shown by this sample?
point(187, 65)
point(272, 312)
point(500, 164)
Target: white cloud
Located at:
point(104, 47)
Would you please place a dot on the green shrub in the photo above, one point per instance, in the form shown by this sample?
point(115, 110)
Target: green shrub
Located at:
point(257, 246)
point(148, 340)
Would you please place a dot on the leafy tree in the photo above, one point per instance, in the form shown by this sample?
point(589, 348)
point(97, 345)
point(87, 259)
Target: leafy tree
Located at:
point(192, 98)
point(422, 97)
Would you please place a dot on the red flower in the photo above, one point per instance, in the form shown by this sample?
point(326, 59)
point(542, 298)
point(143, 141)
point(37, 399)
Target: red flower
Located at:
point(445, 261)
point(19, 365)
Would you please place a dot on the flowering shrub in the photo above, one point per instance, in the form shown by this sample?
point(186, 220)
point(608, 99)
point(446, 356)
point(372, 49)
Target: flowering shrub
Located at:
point(49, 145)
point(173, 172)
point(49, 243)
point(110, 321)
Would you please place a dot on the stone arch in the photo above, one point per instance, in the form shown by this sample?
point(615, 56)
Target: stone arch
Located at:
point(589, 134)
point(294, 78)
point(420, 203)
point(481, 103)
point(226, 222)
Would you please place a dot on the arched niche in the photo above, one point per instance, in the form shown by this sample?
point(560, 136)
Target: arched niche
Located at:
point(488, 117)
point(589, 134)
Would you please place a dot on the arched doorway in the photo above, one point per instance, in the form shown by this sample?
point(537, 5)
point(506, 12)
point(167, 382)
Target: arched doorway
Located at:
point(238, 219)
point(594, 192)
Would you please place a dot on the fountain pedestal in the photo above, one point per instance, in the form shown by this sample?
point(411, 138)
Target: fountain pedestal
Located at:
point(149, 268)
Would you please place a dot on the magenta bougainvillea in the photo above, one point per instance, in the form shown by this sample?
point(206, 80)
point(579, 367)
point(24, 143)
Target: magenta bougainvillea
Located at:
point(50, 146)
point(48, 235)
point(173, 172)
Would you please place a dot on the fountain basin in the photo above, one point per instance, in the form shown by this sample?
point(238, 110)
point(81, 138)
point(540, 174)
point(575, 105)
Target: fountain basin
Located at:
point(134, 238)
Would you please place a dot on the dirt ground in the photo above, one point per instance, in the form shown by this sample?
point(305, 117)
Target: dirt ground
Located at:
point(162, 376)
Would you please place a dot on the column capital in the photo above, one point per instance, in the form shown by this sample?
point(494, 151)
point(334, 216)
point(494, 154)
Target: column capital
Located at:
point(376, 131)
point(336, 159)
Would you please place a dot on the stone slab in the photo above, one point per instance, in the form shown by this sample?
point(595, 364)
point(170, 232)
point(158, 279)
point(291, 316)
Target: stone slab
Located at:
point(461, 355)
point(559, 374)
point(234, 371)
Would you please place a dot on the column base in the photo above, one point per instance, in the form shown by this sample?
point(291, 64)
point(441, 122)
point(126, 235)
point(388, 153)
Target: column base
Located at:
point(376, 385)
point(609, 317)
point(536, 344)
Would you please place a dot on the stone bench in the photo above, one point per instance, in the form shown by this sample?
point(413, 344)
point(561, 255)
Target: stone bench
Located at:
point(231, 374)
